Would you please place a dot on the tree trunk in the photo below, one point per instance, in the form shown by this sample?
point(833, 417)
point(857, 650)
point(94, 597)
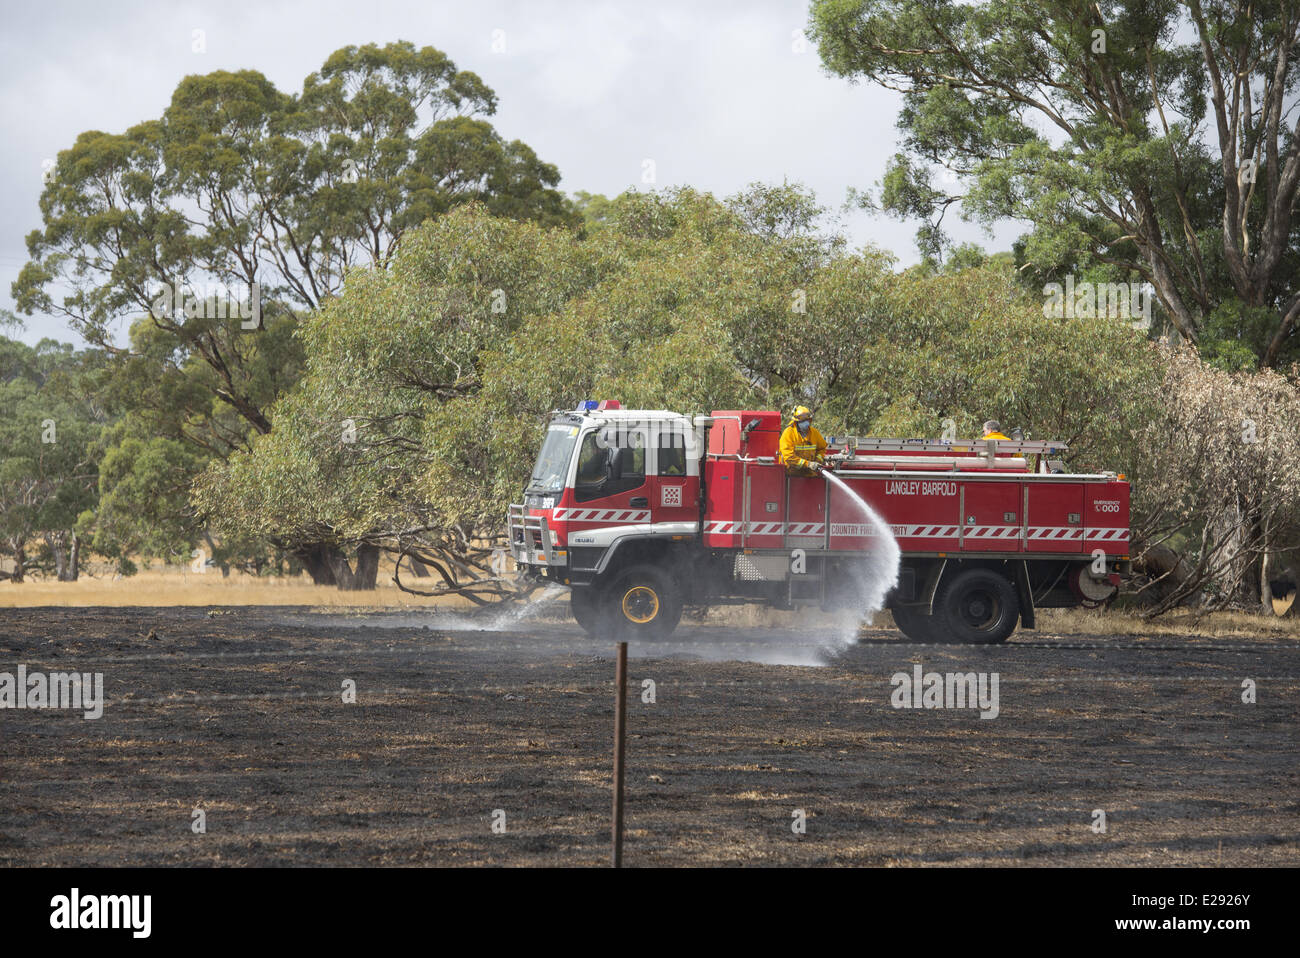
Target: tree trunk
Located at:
point(20, 559)
point(1234, 583)
point(65, 548)
point(56, 543)
point(316, 559)
point(1161, 561)
point(1292, 590)
point(1265, 587)
point(222, 564)
point(367, 566)
point(366, 573)
point(340, 569)
point(327, 565)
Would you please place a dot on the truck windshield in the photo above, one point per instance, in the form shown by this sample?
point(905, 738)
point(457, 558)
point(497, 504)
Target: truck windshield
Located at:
point(553, 461)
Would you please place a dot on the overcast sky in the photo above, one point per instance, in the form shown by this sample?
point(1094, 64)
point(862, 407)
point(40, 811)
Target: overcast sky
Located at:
point(716, 93)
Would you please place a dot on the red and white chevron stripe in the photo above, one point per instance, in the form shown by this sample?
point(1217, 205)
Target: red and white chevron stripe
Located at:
point(1055, 532)
point(927, 532)
point(766, 528)
point(602, 515)
point(992, 532)
point(1116, 534)
point(1037, 533)
point(805, 528)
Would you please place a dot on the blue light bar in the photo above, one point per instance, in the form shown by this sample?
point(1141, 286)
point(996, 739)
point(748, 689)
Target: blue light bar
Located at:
point(588, 405)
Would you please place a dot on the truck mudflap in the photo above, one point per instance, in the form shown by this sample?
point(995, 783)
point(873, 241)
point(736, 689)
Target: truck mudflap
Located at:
point(1026, 595)
point(932, 585)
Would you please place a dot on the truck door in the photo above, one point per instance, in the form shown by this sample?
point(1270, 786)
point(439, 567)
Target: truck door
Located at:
point(609, 486)
point(673, 490)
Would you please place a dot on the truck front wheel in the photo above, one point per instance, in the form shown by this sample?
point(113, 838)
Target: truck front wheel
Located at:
point(590, 607)
point(978, 606)
point(644, 603)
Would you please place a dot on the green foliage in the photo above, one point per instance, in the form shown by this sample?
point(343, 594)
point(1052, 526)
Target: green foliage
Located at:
point(674, 300)
point(594, 208)
point(241, 194)
point(288, 191)
point(351, 440)
point(1235, 335)
point(143, 503)
point(1136, 139)
point(47, 467)
point(973, 346)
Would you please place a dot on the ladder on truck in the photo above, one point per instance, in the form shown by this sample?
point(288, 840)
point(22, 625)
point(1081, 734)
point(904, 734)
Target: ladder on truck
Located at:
point(874, 444)
point(955, 453)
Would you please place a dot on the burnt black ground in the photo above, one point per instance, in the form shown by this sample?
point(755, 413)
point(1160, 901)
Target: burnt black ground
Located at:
point(239, 712)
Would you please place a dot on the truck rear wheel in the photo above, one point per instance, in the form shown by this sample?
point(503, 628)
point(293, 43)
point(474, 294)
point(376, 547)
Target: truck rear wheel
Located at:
point(978, 606)
point(918, 626)
point(644, 603)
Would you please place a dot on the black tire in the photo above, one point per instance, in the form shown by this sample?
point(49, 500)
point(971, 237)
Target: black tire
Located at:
point(977, 606)
point(644, 603)
point(919, 626)
point(591, 609)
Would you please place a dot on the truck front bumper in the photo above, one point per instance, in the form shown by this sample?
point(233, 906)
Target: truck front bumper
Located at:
point(531, 541)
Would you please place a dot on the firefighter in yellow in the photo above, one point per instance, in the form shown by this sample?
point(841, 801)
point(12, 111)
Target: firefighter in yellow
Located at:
point(993, 430)
point(802, 446)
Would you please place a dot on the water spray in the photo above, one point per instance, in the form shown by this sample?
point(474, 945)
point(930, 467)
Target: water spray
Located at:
point(880, 570)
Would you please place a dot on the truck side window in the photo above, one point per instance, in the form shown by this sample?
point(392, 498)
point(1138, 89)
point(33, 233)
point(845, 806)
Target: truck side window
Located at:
point(672, 455)
point(615, 466)
point(591, 461)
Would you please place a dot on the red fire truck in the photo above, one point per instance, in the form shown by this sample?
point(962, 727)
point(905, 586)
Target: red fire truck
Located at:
point(643, 512)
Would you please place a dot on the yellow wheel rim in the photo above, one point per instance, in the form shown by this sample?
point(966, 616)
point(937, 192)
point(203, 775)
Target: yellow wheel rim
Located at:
point(640, 604)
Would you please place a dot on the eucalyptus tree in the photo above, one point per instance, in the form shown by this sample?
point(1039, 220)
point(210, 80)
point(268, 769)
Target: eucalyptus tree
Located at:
point(1145, 142)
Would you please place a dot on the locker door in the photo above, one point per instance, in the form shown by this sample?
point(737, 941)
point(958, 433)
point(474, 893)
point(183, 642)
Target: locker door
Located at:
point(806, 512)
point(1054, 517)
point(991, 517)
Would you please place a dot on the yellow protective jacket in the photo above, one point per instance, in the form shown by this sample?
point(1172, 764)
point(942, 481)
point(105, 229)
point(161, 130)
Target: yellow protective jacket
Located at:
point(796, 448)
point(996, 435)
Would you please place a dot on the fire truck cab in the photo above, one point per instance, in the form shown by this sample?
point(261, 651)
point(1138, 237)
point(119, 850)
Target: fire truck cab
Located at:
point(643, 512)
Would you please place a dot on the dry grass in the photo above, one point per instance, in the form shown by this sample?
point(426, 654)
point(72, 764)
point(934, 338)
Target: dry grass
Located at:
point(1070, 621)
point(178, 585)
point(1178, 622)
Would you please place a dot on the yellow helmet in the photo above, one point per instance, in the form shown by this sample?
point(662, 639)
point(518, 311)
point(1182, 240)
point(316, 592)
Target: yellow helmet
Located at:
point(800, 412)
